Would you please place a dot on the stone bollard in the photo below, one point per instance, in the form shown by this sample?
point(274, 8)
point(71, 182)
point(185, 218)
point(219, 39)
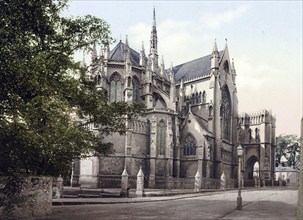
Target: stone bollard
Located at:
point(197, 181)
point(140, 183)
point(124, 183)
point(59, 190)
point(223, 181)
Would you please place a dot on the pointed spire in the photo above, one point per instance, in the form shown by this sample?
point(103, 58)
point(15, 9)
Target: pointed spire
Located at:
point(215, 48)
point(106, 51)
point(154, 17)
point(140, 173)
point(142, 56)
point(127, 50)
point(225, 43)
point(162, 70)
point(126, 40)
point(162, 62)
point(142, 49)
point(215, 57)
point(124, 173)
point(153, 36)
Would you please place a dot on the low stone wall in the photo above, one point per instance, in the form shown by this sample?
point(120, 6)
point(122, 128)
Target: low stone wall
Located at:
point(25, 196)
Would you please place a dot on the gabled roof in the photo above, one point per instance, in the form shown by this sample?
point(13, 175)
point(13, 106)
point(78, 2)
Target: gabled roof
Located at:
point(194, 68)
point(117, 54)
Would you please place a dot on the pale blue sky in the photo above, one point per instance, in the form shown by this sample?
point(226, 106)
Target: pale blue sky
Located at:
point(264, 38)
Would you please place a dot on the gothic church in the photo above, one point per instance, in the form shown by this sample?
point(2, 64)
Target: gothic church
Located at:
point(192, 123)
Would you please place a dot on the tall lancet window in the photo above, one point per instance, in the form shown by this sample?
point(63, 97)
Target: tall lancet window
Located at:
point(161, 140)
point(115, 88)
point(136, 90)
point(226, 113)
point(189, 147)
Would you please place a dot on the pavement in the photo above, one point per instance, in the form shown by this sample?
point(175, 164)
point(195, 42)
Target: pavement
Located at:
point(112, 196)
point(258, 203)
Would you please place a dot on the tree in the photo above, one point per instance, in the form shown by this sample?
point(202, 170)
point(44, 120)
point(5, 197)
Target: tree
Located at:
point(288, 146)
point(43, 89)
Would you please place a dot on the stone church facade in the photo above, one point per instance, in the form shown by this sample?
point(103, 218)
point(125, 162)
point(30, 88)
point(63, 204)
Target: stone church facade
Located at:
point(192, 122)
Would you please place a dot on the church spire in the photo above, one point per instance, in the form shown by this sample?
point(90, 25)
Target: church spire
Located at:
point(215, 48)
point(127, 50)
point(154, 44)
point(162, 70)
point(153, 36)
point(142, 55)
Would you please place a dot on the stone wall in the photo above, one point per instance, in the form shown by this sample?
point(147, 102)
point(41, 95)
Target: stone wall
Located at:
point(25, 196)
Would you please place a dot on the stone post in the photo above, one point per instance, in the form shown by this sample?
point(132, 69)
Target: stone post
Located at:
point(124, 183)
point(140, 183)
point(197, 181)
point(223, 181)
point(59, 186)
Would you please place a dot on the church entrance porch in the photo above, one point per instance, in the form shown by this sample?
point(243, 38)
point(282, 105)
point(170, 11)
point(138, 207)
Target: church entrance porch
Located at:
point(251, 172)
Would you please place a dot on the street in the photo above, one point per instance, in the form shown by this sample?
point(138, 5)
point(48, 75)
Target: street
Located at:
point(270, 203)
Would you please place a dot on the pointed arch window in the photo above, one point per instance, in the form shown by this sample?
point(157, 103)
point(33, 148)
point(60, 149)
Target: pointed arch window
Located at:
point(136, 91)
point(189, 147)
point(249, 135)
point(192, 98)
point(200, 97)
point(204, 97)
point(115, 89)
point(226, 113)
point(197, 98)
point(161, 140)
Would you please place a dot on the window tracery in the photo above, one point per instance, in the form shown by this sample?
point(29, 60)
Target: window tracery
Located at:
point(225, 112)
point(161, 138)
point(189, 145)
point(115, 89)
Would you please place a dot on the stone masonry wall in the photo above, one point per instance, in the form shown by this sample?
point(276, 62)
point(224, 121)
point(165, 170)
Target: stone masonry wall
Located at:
point(25, 196)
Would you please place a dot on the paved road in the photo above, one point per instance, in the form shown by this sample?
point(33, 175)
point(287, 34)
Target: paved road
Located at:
point(263, 204)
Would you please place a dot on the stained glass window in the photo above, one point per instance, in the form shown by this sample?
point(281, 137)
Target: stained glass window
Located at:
point(115, 89)
point(189, 145)
point(161, 138)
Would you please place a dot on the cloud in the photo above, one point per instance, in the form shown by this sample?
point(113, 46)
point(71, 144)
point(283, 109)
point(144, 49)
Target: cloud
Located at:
point(212, 20)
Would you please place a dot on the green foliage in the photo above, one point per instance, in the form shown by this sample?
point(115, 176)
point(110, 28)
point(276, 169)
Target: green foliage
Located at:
point(43, 89)
point(288, 146)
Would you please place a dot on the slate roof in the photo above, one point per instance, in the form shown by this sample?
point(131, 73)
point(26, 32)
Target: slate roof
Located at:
point(194, 68)
point(117, 54)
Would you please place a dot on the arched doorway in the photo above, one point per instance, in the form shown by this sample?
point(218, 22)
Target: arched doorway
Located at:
point(251, 170)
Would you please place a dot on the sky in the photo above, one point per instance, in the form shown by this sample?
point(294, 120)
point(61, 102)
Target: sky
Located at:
point(263, 37)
